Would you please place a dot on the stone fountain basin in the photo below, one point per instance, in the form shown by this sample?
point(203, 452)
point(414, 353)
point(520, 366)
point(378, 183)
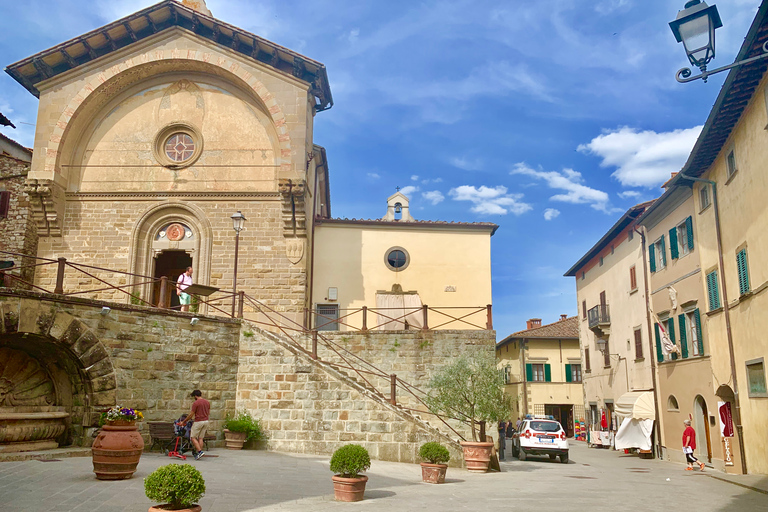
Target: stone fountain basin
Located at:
point(31, 427)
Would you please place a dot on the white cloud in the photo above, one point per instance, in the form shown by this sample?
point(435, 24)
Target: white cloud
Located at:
point(551, 213)
point(467, 164)
point(410, 189)
point(642, 159)
point(629, 193)
point(428, 181)
point(373, 176)
point(414, 178)
point(490, 201)
point(569, 181)
point(434, 196)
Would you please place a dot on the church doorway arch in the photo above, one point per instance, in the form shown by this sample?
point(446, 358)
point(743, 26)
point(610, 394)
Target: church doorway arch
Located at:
point(170, 264)
point(701, 424)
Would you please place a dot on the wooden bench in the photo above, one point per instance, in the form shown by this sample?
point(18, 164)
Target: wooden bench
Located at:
point(162, 432)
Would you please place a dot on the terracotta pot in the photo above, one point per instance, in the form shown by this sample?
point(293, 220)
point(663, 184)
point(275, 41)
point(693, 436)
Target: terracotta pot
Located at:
point(117, 450)
point(234, 440)
point(164, 508)
point(433, 473)
point(349, 489)
point(477, 456)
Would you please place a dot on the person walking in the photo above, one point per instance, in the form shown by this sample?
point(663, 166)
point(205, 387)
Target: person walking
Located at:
point(201, 408)
point(689, 445)
point(502, 435)
point(184, 282)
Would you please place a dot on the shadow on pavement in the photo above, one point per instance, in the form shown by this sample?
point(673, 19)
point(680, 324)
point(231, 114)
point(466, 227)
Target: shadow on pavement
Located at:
point(748, 499)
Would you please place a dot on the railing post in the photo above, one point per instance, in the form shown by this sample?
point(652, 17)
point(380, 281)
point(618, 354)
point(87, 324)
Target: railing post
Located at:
point(424, 309)
point(314, 343)
point(241, 301)
point(60, 277)
point(393, 389)
point(305, 320)
point(365, 318)
point(161, 303)
point(489, 321)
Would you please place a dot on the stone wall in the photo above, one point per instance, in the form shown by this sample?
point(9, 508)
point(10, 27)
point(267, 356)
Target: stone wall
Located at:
point(17, 231)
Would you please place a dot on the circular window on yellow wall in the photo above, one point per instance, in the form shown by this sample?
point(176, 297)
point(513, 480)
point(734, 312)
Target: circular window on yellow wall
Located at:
point(178, 145)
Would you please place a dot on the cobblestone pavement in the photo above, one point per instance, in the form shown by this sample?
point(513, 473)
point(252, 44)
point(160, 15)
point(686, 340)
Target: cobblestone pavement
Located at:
point(240, 481)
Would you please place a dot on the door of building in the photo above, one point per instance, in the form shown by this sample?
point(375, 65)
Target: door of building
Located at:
point(700, 423)
point(170, 264)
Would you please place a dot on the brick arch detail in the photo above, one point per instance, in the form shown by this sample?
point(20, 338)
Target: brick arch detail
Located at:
point(230, 67)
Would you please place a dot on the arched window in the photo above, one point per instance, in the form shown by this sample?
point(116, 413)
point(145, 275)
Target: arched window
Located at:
point(672, 404)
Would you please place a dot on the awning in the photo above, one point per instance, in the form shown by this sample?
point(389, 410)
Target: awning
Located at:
point(636, 405)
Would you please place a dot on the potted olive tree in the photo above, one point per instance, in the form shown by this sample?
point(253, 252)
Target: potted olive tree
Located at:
point(471, 390)
point(348, 462)
point(178, 486)
point(240, 428)
point(436, 457)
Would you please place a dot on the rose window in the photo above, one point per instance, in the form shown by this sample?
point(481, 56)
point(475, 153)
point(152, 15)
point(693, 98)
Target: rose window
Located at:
point(179, 147)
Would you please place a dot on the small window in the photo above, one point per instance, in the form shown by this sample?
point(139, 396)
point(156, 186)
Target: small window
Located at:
point(638, 343)
point(632, 278)
point(743, 270)
point(5, 203)
point(672, 404)
point(582, 275)
point(601, 261)
point(327, 317)
point(704, 196)
point(657, 254)
point(713, 292)
point(694, 338)
point(730, 163)
point(575, 373)
point(587, 364)
point(584, 309)
point(397, 259)
point(607, 355)
point(612, 249)
point(756, 378)
point(536, 372)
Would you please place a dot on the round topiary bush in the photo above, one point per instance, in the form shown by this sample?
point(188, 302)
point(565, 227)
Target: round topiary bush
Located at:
point(179, 485)
point(434, 453)
point(350, 460)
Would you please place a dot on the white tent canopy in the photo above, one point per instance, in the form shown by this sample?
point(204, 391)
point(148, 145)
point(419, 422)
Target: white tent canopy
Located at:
point(636, 405)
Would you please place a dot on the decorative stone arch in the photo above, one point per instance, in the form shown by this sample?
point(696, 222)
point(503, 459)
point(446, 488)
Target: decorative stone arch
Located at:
point(226, 67)
point(155, 217)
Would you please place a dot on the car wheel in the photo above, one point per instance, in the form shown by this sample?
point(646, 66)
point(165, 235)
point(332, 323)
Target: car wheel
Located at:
point(552, 456)
point(564, 458)
point(521, 455)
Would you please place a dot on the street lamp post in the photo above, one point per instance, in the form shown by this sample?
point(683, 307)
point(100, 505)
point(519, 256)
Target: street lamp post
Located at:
point(238, 221)
point(695, 28)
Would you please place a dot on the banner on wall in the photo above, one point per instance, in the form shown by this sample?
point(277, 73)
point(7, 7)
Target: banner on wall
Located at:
point(726, 419)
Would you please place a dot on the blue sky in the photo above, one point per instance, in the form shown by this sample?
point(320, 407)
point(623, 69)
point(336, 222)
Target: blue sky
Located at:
point(549, 118)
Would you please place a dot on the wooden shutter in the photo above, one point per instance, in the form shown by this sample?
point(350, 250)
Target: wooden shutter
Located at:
point(547, 373)
point(663, 252)
point(689, 231)
point(632, 278)
point(671, 333)
point(659, 353)
point(741, 266)
point(673, 243)
point(652, 257)
point(529, 372)
point(712, 290)
point(584, 308)
point(602, 298)
point(5, 203)
point(638, 344)
point(607, 354)
point(587, 365)
point(683, 336)
point(568, 376)
point(699, 333)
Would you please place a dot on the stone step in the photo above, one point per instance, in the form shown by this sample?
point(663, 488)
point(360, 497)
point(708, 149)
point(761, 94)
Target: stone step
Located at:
point(57, 453)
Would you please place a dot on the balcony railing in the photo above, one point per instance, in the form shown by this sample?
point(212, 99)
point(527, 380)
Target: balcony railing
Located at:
point(599, 316)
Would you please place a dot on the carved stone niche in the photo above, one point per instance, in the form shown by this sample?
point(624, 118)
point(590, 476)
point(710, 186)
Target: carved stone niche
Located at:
point(293, 208)
point(28, 418)
point(46, 200)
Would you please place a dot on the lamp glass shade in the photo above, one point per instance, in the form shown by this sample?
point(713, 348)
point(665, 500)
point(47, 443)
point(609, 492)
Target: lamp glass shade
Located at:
point(695, 28)
point(238, 221)
point(600, 345)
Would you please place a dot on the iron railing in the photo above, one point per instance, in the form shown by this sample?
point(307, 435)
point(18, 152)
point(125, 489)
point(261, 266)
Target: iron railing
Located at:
point(599, 316)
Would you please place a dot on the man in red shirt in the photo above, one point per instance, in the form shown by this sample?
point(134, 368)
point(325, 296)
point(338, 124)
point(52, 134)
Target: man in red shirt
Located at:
point(689, 445)
point(201, 408)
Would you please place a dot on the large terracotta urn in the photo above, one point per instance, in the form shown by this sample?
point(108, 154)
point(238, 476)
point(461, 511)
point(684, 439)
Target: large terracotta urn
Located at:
point(117, 450)
point(349, 489)
point(477, 456)
point(234, 440)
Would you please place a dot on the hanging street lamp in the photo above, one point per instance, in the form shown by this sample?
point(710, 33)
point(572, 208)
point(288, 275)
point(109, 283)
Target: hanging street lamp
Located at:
point(695, 27)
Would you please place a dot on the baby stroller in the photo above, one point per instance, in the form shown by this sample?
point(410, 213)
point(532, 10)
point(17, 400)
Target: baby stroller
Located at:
point(181, 442)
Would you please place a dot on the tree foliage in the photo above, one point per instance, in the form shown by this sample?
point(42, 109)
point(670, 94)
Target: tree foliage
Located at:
point(471, 390)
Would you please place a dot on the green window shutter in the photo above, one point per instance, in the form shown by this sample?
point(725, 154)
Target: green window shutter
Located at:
point(671, 333)
point(529, 372)
point(689, 231)
point(673, 243)
point(713, 291)
point(699, 333)
point(683, 336)
point(652, 257)
point(659, 353)
point(547, 373)
point(568, 376)
point(741, 265)
point(663, 252)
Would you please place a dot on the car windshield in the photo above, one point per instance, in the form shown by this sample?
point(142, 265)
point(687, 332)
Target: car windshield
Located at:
point(545, 426)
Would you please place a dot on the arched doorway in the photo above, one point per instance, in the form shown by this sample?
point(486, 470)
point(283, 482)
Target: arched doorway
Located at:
point(701, 424)
point(170, 264)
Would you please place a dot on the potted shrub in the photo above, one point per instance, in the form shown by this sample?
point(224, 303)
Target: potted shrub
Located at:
point(471, 390)
point(179, 486)
point(436, 457)
point(118, 446)
point(240, 428)
point(348, 462)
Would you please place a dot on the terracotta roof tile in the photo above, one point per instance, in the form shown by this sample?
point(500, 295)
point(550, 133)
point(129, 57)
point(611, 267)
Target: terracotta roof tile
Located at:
point(562, 329)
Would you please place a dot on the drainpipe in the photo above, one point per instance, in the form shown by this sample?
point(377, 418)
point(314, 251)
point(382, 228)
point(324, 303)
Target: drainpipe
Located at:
point(652, 352)
point(727, 311)
point(311, 277)
point(524, 375)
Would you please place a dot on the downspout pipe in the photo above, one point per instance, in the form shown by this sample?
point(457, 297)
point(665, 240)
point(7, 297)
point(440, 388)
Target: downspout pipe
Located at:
point(651, 353)
point(726, 310)
point(524, 379)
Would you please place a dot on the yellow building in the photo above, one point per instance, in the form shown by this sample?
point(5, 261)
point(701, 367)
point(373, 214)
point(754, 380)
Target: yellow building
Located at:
point(543, 370)
point(726, 171)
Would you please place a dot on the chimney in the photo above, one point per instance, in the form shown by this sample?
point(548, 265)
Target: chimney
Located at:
point(563, 317)
point(534, 323)
point(197, 5)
